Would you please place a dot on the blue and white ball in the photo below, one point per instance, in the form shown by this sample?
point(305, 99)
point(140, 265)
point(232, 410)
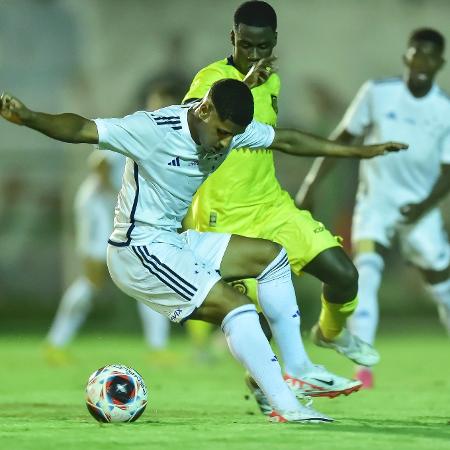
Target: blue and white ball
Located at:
point(116, 393)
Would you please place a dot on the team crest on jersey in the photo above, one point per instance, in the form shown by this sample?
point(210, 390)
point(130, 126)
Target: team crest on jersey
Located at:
point(212, 219)
point(275, 103)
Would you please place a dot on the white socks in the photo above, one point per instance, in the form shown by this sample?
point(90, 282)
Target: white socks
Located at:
point(249, 346)
point(156, 327)
point(72, 311)
point(364, 322)
point(278, 302)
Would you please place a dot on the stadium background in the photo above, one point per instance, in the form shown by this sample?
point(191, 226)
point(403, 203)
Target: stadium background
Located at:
point(90, 56)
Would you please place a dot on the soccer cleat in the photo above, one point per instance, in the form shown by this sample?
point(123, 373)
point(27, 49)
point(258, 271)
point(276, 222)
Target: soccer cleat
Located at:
point(258, 395)
point(318, 382)
point(304, 415)
point(365, 375)
point(348, 345)
point(56, 356)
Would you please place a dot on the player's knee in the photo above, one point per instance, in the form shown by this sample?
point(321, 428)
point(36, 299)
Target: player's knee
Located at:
point(269, 251)
point(346, 275)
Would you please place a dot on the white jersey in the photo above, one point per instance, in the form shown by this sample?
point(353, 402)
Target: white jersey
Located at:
point(386, 110)
point(163, 170)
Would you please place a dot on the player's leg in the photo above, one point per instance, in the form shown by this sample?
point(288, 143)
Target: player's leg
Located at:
point(73, 308)
point(266, 261)
point(432, 257)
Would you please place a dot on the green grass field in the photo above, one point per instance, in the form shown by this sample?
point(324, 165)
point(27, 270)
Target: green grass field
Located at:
point(203, 407)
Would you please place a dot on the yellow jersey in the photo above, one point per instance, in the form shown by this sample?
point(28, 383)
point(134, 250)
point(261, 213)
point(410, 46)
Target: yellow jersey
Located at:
point(246, 177)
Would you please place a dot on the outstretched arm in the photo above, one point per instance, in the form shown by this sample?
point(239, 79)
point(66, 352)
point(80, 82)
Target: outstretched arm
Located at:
point(298, 143)
point(62, 127)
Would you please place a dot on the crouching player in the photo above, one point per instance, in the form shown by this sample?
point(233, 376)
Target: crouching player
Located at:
point(170, 152)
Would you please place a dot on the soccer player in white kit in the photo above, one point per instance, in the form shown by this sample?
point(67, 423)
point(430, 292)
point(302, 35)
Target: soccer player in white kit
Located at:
point(170, 152)
point(94, 212)
point(399, 194)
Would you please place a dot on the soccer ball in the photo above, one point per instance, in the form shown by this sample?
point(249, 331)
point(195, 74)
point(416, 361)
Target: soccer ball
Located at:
point(116, 393)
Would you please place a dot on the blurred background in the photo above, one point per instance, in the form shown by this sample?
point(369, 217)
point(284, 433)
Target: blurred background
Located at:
point(91, 56)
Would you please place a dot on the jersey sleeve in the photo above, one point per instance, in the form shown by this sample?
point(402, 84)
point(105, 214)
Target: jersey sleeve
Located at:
point(130, 135)
point(202, 82)
point(256, 135)
point(358, 115)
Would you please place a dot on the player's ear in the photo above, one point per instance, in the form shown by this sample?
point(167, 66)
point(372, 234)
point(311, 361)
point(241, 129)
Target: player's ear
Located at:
point(205, 110)
point(232, 37)
point(275, 39)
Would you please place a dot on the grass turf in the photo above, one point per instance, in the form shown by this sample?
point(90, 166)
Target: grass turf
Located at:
point(199, 407)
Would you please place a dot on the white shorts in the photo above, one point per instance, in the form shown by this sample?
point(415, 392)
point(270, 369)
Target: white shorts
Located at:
point(174, 280)
point(94, 216)
point(424, 244)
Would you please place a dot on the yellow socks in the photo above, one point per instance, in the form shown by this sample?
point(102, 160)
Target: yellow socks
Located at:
point(333, 317)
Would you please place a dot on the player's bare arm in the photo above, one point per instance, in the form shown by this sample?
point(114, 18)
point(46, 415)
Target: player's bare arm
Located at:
point(65, 127)
point(298, 143)
point(414, 211)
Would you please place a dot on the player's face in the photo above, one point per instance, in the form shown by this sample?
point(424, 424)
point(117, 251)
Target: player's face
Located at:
point(215, 134)
point(251, 44)
point(422, 60)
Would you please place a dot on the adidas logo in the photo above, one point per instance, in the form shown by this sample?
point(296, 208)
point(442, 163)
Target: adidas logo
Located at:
point(175, 162)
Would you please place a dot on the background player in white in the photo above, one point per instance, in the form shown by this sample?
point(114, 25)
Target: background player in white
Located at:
point(170, 152)
point(399, 194)
point(94, 212)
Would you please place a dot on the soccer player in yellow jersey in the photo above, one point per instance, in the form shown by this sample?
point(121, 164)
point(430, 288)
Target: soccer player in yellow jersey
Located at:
point(244, 197)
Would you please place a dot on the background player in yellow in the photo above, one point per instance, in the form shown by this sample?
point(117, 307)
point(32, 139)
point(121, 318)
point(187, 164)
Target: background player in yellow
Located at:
point(243, 196)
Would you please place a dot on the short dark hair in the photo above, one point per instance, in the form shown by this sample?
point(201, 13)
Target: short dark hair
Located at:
point(428, 35)
point(233, 101)
point(257, 14)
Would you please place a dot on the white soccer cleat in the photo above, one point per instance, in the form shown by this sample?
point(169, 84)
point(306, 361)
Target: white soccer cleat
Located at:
point(303, 415)
point(318, 382)
point(258, 395)
point(348, 345)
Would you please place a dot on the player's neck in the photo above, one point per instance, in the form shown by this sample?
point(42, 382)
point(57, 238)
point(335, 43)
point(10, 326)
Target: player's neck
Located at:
point(193, 121)
point(419, 91)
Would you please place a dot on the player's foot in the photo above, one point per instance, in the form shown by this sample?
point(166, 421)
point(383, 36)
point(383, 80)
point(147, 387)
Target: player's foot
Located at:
point(444, 316)
point(56, 356)
point(303, 415)
point(318, 382)
point(258, 395)
point(348, 345)
point(365, 375)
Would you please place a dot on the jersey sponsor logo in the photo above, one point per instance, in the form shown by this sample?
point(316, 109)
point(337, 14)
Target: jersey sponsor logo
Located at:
point(319, 229)
point(175, 162)
point(173, 121)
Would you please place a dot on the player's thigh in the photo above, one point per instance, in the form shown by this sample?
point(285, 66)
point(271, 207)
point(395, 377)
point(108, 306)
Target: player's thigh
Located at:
point(300, 234)
point(247, 257)
point(171, 278)
point(221, 299)
point(425, 244)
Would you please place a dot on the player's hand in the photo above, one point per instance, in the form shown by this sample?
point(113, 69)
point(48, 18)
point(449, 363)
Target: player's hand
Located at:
point(382, 149)
point(260, 72)
point(412, 212)
point(13, 109)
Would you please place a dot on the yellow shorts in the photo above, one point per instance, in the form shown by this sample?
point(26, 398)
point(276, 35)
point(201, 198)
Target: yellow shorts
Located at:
point(296, 230)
